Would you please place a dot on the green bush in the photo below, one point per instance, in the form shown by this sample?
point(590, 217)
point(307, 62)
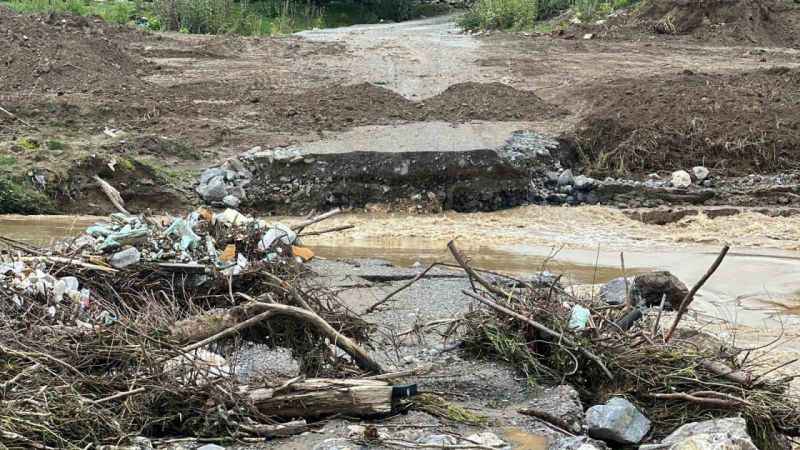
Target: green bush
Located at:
point(16, 199)
point(501, 14)
point(209, 16)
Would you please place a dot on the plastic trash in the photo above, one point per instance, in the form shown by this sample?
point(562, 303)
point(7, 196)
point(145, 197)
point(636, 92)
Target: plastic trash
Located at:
point(579, 318)
point(231, 217)
point(184, 229)
point(277, 231)
point(125, 258)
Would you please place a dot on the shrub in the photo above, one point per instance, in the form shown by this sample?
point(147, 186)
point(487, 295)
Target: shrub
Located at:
point(501, 14)
point(17, 199)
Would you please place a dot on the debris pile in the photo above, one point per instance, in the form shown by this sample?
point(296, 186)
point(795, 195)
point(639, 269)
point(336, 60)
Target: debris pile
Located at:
point(134, 332)
point(132, 328)
point(645, 380)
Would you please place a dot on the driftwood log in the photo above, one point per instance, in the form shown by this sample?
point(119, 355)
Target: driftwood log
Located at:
point(322, 396)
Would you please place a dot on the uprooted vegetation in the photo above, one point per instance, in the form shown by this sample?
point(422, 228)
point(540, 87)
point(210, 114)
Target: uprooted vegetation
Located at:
point(123, 350)
point(675, 376)
point(734, 123)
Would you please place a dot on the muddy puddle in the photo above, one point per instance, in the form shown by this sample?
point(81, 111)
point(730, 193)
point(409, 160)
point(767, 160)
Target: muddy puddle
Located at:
point(757, 288)
point(486, 258)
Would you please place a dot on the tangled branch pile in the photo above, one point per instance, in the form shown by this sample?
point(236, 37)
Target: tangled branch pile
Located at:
point(90, 354)
point(674, 379)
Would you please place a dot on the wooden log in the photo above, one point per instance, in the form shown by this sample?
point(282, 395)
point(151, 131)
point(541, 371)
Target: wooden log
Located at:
point(321, 396)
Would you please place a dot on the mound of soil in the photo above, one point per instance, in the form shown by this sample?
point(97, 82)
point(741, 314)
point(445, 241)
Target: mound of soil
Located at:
point(743, 22)
point(734, 123)
point(340, 107)
point(489, 101)
point(63, 53)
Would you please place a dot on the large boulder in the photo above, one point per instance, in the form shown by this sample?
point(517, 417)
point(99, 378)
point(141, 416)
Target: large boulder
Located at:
point(650, 287)
point(617, 421)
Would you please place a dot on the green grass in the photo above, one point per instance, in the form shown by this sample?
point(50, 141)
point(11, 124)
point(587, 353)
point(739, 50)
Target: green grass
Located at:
point(531, 14)
point(7, 161)
point(114, 11)
point(55, 144)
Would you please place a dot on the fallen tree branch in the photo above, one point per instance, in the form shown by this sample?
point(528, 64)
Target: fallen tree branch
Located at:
point(550, 419)
point(499, 292)
point(723, 370)
point(401, 288)
point(204, 328)
point(15, 117)
point(328, 230)
point(230, 331)
point(543, 329)
point(69, 261)
point(690, 295)
point(729, 402)
point(113, 195)
point(300, 226)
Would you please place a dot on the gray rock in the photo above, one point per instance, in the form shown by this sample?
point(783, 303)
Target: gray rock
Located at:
point(562, 403)
point(728, 433)
point(577, 443)
point(584, 183)
point(565, 189)
point(650, 287)
point(681, 179)
point(487, 439)
point(215, 190)
point(211, 447)
point(700, 172)
point(617, 421)
point(613, 292)
point(208, 174)
point(566, 179)
point(238, 192)
point(231, 201)
point(125, 258)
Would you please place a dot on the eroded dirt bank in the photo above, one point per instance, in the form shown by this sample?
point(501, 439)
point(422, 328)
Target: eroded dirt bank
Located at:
point(178, 104)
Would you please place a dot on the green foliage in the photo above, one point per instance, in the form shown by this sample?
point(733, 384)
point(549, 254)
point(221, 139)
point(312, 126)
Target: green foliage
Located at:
point(55, 144)
point(501, 14)
point(115, 11)
point(17, 199)
point(528, 14)
point(7, 161)
point(28, 143)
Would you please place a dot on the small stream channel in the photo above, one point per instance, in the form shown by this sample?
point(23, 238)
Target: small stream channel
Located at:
point(753, 287)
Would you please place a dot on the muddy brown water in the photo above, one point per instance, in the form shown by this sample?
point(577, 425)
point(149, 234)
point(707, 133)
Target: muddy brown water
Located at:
point(753, 287)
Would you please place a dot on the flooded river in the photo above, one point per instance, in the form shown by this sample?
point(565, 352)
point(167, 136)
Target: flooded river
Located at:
point(756, 287)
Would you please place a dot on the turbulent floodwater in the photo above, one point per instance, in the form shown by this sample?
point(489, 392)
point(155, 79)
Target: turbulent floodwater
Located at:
point(757, 285)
